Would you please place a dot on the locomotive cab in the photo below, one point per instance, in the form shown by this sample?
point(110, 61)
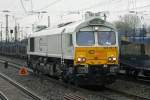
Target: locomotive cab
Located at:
point(96, 54)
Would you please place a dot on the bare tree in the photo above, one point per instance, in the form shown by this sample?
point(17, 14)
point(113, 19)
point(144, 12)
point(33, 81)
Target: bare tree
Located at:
point(127, 22)
point(148, 29)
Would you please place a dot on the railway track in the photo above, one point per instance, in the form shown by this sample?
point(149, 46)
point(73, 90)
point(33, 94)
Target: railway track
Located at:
point(132, 96)
point(104, 95)
point(140, 78)
point(2, 96)
point(20, 87)
point(67, 96)
point(144, 79)
point(137, 79)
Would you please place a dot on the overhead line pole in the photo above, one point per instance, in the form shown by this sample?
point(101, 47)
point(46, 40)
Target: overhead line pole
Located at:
point(15, 30)
point(7, 31)
point(49, 21)
point(1, 32)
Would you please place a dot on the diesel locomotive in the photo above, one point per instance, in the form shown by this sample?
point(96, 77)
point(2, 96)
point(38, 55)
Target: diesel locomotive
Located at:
point(82, 52)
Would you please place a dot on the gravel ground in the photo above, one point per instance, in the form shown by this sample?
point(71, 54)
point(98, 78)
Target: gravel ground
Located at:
point(43, 87)
point(51, 91)
point(8, 89)
point(131, 88)
point(13, 59)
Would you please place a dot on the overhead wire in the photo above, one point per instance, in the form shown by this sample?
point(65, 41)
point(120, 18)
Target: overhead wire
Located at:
point(99, 4)
point(32, 5)
point(131, 3)
point(47, 6)
point(90, 7)
point(134, 4)
point(131, 9)
point(23, 6)
point(128, 5)
point(143, 6)
point(93, 6)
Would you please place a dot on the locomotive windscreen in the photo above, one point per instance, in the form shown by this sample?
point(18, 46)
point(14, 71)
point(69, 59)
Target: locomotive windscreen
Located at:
point(106, 38)
point(85, 38)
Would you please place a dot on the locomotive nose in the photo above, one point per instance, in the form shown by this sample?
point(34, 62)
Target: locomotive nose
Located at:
point(95, 56)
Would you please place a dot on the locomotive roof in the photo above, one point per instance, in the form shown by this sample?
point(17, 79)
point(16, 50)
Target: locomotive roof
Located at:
point(70, 28)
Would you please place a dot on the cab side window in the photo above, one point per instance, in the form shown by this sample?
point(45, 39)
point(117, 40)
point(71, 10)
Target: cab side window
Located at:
point(70, 39)
point(32, 44)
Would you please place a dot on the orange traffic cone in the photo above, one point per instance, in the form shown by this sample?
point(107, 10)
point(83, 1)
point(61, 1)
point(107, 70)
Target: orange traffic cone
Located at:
point(23, 71)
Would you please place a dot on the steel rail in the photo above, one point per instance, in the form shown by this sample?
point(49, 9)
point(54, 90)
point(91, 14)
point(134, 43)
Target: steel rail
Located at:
point(136, 97)
point(55, 81)
point(133, 96)
point(141, 78)
point(2, 96)
point(135, 79)
point(16, 84)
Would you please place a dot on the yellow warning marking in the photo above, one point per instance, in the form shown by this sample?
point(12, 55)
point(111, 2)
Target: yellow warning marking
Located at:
point(23, 71)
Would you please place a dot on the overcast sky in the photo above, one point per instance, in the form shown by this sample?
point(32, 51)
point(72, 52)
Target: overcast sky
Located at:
point(58, 10)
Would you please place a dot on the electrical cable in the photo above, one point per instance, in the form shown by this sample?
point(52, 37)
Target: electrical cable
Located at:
point(125, 10)
point(93, 6)
point(128, 6)
point(47, 6)
point(31, 5)
point(98, 4)
point(23, 6)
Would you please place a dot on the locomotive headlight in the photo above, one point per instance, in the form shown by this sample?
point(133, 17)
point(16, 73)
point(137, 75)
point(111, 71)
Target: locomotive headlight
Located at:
point(114, 58)
point(110, 59)
point(81, 59)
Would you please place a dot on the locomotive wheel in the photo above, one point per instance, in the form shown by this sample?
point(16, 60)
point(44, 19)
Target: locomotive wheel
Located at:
point(132, 73)
point(58, 70)
point(51, 69)
point(35, 69)
point(75, 81)
point(65, 78)
point(129, 72)
point(135, 73)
